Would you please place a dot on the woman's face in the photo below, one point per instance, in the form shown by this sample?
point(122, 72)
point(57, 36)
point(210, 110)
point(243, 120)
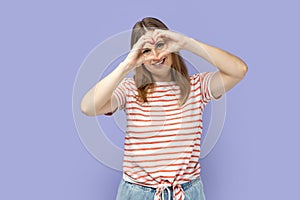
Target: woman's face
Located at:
point(160, 67)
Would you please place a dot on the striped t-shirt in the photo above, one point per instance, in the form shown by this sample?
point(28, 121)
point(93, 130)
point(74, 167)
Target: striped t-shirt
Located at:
point(162, 142)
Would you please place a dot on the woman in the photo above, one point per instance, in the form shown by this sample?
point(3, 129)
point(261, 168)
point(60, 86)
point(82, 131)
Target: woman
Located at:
point(164, 107)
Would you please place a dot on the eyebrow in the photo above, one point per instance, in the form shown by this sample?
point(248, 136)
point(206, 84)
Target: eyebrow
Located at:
point(158, 42)
point(161, 41)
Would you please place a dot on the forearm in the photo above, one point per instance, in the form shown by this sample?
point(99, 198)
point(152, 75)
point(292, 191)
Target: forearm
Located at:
point(97, 96)
point(224, 61)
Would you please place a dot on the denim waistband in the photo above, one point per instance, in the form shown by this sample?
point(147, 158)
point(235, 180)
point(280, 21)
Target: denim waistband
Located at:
point(184, 186)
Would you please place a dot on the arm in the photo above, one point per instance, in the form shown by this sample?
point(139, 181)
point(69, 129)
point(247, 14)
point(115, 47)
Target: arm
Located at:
point(99, 99)
point(231, 68)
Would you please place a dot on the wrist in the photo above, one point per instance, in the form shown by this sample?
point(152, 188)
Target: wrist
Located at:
point(186, 43)
point(123, 68)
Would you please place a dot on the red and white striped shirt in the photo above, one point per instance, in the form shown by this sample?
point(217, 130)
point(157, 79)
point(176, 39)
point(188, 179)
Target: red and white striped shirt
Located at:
point(162, 142)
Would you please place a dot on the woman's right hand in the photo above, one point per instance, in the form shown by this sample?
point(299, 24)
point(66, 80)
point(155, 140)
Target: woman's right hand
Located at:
point(135, 57)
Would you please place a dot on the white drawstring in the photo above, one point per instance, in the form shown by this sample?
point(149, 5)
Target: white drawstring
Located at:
point(165, 186)
point(178, 192)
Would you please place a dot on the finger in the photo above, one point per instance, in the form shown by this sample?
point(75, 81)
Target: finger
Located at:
point(141, 42)
point(164, 53)
point(159, 33)
point(149, 58)
point(146, 38)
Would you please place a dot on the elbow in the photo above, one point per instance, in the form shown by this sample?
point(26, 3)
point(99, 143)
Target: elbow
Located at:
point(242, 70)
point(85, 110)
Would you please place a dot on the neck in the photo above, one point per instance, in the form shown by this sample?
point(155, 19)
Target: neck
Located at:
point(167, 78)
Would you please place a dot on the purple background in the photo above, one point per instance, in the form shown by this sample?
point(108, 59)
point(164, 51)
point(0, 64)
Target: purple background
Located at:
point(43, 44)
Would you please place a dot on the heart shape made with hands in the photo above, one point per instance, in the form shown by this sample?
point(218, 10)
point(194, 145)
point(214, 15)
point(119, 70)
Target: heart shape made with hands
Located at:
point(163, 42)
point(173, 42)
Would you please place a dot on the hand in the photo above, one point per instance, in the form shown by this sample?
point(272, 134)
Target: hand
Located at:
point(174, 42)
point(135, 57)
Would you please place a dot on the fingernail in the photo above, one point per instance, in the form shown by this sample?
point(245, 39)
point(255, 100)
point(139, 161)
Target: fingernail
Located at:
point(153, 41)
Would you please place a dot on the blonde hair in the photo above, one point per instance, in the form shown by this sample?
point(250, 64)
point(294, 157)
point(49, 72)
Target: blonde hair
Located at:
point(143, 77)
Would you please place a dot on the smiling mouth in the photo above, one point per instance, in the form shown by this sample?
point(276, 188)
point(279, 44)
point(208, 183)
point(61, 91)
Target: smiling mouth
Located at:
point(159, 63)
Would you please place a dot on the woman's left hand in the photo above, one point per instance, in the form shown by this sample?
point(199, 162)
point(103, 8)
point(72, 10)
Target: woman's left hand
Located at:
point(174, 42)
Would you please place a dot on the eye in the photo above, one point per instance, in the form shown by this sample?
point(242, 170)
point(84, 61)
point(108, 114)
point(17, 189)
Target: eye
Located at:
point(160, 45)
point(146, 51)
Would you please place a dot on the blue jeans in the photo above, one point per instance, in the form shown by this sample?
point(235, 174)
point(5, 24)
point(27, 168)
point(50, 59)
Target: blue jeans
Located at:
point(130, 191)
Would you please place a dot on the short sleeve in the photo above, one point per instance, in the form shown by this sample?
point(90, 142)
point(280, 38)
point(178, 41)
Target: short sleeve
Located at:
point(120, 95)
point(205, 79)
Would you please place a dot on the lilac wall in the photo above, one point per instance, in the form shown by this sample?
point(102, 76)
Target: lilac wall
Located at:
point(43, 45)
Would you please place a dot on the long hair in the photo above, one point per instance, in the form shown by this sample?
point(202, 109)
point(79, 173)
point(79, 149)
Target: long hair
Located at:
point(143, 77)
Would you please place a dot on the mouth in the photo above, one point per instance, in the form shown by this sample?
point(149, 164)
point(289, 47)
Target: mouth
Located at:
point(160, 63)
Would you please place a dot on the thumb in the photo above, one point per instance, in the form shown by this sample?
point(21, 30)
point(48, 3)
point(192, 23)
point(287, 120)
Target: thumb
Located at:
point(164, 53)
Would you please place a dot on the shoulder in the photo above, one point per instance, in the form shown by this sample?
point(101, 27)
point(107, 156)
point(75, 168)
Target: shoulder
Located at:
point(128, 82)
point(200, 76)
point(196, 78)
